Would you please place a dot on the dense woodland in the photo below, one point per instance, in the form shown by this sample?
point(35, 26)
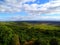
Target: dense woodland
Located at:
point(23, 33)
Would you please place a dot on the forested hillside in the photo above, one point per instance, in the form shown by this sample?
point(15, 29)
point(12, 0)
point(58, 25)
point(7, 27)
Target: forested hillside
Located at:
point(23, 33)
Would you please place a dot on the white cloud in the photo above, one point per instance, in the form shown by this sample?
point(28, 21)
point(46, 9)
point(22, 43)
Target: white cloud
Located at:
point(34, 10)
point(13, 5)
point(34, 17)
point(50, 7)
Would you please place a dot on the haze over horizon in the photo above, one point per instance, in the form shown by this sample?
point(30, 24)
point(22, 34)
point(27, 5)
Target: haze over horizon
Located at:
point(26, 10)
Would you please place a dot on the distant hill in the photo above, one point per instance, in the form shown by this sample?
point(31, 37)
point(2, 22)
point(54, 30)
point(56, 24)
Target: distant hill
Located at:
point(40, 22)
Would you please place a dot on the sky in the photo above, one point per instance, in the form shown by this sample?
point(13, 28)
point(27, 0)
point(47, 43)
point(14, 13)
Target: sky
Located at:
point(29, 10)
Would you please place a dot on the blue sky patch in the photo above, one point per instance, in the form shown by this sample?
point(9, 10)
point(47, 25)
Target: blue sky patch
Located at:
point(38, 2)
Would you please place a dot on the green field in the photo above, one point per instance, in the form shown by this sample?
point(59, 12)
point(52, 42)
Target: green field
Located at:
point(23, 33)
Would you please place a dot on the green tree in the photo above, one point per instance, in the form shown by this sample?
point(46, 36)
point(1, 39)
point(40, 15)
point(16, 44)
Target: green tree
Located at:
point(6, 35)
point(15, 40)
point(53, 41)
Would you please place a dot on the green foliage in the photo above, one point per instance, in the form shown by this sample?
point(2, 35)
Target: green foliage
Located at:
point(15, 40)
point(16, 33)
point(5, 35)
point(53, 41)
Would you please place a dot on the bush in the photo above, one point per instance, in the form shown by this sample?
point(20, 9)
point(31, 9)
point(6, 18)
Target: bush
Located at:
point(53, 41)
